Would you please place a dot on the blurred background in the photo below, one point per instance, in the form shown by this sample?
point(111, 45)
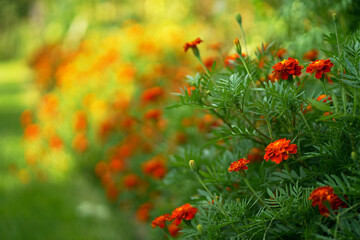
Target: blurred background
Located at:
point(84, 85)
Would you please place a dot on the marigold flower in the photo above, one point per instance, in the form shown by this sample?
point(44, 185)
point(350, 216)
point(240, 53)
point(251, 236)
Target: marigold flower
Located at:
point(32, 131)
point(255, 155)
point(131, 181)
point(56, 142)
point(192, 44)
point(281, 52)
point(285, 68)
point(238, 165)
point(320, 67)
point(26, 118)
point(160, 221)
point(152, 94)
point(143, 212)
point(155, 167)
point(186, 212)
point(231, 59)
point(153, 114)
point(279, 150)
point(322, 194)
point(80, 142)
point(311, 55)
point(174, 230)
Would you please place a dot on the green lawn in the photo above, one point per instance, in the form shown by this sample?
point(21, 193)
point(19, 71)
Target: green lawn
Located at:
point(72, 209)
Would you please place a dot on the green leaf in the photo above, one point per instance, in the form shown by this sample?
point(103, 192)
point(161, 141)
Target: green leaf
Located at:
point(319, 105)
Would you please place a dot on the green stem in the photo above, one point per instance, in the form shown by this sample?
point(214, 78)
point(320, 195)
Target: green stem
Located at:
point(251, 124)
point(221, 207)
point(355, 102)
point(269, 127)
point(203, 66)
point(288, 171)
point(243, 33)
point(336, 34)
point(307, 125)
point(323, 85)
point(251, 189)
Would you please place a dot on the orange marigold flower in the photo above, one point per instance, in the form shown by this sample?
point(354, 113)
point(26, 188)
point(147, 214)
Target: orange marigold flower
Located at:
point(152, 94)
point(155, 167)
point(281, 52)
point(174, 230)
point(131, 181)
point(56, 142)
point(231, 59)
point(143, 212)
point(186, 212)
point(285, 68)
point(26, 118)
point(160, 221)
point(320, 67)
point(192, 44)
point(80, 121)
point(311, 55)
point(238, 165)
point(255, 155)
point(153, 114)
point(322, 194)
point(32, 131)
point(80, 142)
point(279, 150)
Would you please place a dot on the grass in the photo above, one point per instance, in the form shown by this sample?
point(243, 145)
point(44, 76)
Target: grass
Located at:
point(72, 209)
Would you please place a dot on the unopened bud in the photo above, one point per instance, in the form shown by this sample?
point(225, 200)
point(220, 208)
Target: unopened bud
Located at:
point(333, 15)
point(192, 165)
point(200, 228)
point(354, 156)
point(237, 46)
point(238, 19)
point(196, 51)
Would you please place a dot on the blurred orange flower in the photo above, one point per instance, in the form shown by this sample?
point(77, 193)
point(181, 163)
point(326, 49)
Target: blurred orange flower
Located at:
point(285, 68)
point(131, 180)
point(155, 168)
point(322, 194)
point(152, 94)
point(80, 142)
point(153, 114)
point(32, 131)
point(186, 212)
point(174, 230)
point(279, 150)
point(320, 67)
point(311, 55)
point(143, 212)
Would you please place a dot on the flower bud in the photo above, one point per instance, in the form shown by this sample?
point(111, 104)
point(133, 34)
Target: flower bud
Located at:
point(200, 228)
point(237, 46)
point(333, 15)
point(354, 156)
point(238, 19)
point(192, 165)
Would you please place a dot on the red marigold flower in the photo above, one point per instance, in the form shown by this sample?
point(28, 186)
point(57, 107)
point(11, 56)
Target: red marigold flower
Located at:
point(153, 114)
point(279, 150)
point(285, 68)
point(322, 194)
point(143, 212)
point(255, 155)
point(281, 52)
point(320, 67)
point(186, 212)
point(192, 44)
point(160, 221)
point(155, 167)
point(131, 181)
point(152, 94)
point(174, 230)
point(238, 165)
point(311, 55)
